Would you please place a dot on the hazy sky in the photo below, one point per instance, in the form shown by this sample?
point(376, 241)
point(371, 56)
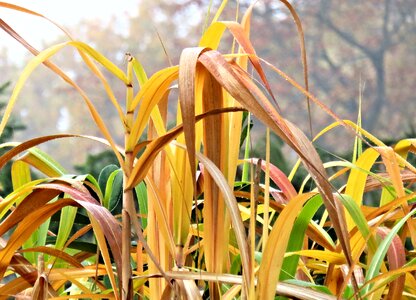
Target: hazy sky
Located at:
point(67, 13)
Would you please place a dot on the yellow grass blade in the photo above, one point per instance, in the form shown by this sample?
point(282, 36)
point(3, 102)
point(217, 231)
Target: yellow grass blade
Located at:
point(145, 160)
point(357, 179)
point(152, 92)
point(322, 255)
point(389, 157)
point(272, 259)
point(216, 217)
point(187, 74)
point(20, 174)
point(393, 169)
point(219, 11)
point(161, 215)
point(404, 146)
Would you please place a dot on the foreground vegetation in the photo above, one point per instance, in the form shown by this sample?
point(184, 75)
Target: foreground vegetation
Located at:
point(174, 220)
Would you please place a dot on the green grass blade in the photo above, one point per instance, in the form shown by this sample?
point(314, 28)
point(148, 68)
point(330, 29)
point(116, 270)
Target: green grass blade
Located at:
point(296, 240)
point(378, 258)
point(141, 193)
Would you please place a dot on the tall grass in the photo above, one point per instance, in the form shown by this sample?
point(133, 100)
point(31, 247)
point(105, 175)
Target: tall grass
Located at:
point(186, 228)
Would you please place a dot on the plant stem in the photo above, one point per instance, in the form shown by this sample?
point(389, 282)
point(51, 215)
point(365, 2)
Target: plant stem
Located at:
point(128, 204)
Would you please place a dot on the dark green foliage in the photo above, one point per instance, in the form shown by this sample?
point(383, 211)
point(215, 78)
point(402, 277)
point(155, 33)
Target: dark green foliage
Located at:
point(111, 185)
point(13, 126)
point(95, 163)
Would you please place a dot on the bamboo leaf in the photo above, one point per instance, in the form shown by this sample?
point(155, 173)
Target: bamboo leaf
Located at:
point(20, 174)
point(240, 86)
point(145, 160)
point(272, 260)
point(50, 166)
point(139, 72)
point(43, 162)
point(25, 228)
point(187, 77)
point(357, 178)
point(234, 212)
point(152, 92)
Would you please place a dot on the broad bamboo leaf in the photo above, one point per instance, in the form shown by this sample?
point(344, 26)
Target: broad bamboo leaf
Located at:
point(66, 222)
point(234, 212)
point(50, 164)
point(161, 215)
point(25, 228)
point(145, 160)
point(20, 174)
point(357, 178)
point(393, 169)
point(43, 162)
point(187, 93)
point(216, 218)
point(240, 86)
point(152, 92)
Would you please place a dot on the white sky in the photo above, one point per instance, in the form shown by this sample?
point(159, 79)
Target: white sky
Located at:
point(66, 12)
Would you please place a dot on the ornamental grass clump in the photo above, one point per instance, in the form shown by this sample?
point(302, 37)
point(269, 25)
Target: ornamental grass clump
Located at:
point(185, 228)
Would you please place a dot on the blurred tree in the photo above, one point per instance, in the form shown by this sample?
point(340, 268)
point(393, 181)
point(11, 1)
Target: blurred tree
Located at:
point(374, 29)
point(347, 42)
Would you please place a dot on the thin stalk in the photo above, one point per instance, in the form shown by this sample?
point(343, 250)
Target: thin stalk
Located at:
point(127, 292)
point(128, 205)
point(265, 234)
